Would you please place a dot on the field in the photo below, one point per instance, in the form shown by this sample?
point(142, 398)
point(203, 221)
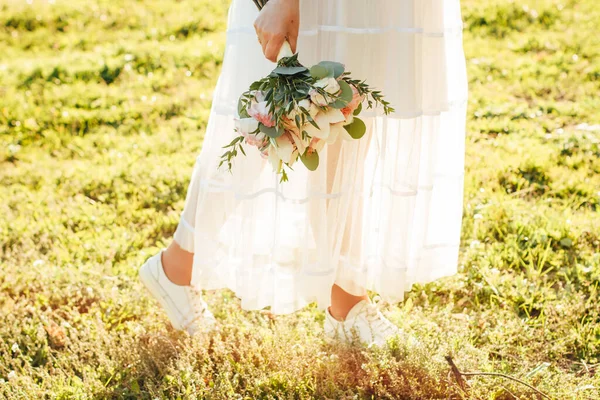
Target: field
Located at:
point(103, 106)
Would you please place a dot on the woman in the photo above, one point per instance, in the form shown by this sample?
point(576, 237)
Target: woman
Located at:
point(381, 213)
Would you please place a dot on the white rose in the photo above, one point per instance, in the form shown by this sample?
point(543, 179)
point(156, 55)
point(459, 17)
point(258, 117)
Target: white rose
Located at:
point(317, 98)
point(308, 106)
point(330, 85)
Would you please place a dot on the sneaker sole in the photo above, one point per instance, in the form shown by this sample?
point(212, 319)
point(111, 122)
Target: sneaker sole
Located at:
point(159, 294)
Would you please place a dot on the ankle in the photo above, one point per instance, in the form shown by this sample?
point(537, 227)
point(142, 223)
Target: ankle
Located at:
point(173, 272)
point(336, 314)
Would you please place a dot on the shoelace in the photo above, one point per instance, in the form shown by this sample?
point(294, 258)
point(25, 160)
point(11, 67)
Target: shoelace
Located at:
point(198, 304)
point(378, 322)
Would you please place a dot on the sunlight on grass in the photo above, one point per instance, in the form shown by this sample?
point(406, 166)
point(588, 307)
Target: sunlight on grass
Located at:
point(102, 110)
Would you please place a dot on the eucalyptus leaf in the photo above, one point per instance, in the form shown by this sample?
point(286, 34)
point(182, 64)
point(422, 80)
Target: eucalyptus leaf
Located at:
point(358, 109)
point(345, 96)
point(289, 70)
point(357, 128)
point(319, 71)
point(335, 68)
point(310, 160)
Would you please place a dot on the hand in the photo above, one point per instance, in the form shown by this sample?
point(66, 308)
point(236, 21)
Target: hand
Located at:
point(278, 20)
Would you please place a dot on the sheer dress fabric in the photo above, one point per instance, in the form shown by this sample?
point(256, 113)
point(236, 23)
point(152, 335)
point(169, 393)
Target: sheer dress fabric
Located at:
point(381, 213)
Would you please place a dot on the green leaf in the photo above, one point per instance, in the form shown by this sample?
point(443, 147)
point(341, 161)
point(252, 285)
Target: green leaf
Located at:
point(269, 95)
point(289, 70)
point(279, 96)
point(358, 109)
point(566, 242)
point(310, 160)
point(345, 96)
point(299, 95)
point(306, 114)
point(255, 85)
point(284, 177)
point(270, 132)
point(356, 129)
point(240, 105)
point(319, 71)
point(335, 68)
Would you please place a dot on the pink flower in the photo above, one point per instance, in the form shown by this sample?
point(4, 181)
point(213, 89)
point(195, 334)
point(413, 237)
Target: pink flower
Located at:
point(260, 112)
point(257, 139)
point(248, 128)
point(258, 96)
point(353, 105)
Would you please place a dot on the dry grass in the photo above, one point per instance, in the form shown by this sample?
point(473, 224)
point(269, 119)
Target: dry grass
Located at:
point(100, 108)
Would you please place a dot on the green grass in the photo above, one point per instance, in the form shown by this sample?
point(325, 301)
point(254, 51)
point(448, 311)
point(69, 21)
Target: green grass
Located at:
point(102, 109)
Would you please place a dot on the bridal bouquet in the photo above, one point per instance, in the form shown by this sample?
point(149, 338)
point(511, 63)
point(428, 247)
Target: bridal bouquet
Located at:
point(295, 111)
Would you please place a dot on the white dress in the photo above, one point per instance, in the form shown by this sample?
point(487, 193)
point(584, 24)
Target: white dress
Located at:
point(380, 213)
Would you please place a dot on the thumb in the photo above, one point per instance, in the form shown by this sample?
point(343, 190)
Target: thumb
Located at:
point(293, 40)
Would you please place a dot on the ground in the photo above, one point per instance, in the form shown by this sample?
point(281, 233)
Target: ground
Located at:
point(103, 105)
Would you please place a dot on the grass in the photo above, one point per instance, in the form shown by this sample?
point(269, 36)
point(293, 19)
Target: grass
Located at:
point(102, 109)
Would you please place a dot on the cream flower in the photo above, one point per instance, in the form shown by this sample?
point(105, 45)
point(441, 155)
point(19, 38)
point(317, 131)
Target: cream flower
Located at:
point(286, 150)
point(338, 131)
point(324, 120)
point(274, 159)
point(307, 105)
point(329, 85)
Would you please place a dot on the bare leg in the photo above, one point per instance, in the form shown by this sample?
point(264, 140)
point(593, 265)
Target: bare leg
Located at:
point(342, 302)
point(177, 264)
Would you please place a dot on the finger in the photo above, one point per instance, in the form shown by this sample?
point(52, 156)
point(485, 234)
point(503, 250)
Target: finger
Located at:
point(263, 40)
point(273, 47)
point(293, 40)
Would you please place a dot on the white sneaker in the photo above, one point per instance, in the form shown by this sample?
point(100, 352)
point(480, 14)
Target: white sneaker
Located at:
point(184, 304)
point(363, 321)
